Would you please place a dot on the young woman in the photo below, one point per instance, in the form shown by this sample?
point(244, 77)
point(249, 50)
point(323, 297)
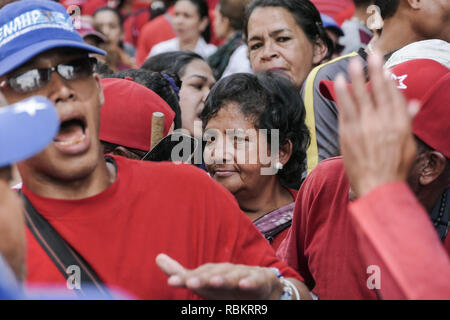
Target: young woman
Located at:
point(120, 55)
point(286, 36)
point(256, 145)
point(192, 30)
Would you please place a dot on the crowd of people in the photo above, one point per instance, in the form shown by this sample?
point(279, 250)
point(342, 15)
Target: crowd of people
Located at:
point(225, 149)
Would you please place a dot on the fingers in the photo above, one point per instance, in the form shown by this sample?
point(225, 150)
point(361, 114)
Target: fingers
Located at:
point(169, 266)
point(358, 80)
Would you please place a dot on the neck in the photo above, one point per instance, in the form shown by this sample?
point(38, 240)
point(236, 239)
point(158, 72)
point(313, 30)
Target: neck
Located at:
point(92, 184)
point(397, 33)
point(428, 197)
point(188, 44)
point(272, 197)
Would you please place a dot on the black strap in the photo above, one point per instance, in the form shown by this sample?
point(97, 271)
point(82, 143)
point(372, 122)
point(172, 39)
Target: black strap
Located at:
point(271, 234)
point(60, 252)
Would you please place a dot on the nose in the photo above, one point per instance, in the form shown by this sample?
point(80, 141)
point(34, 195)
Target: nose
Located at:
point(60, 89)
point(269, 51)
point(220, 151)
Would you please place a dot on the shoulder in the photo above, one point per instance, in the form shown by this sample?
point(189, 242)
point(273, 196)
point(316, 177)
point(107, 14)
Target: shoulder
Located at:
point(329, 175)
point(329, 70)
point(165, 46)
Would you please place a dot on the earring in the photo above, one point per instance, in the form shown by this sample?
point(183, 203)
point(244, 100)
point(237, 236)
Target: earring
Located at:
point(278, 165)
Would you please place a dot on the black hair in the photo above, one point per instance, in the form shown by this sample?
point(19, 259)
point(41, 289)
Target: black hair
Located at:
point(387, 7)
point(271, 101)
point(103, 69)
point(158, 83)
point(305, 14)
point(109, 147)
point(203, 12)
point(175, 62)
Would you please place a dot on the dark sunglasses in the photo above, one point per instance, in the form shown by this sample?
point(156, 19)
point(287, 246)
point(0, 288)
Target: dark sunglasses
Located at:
point(35, 79)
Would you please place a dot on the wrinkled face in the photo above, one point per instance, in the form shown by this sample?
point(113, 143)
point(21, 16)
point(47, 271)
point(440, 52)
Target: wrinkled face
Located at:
point(108, 23)
point(187, 23)
point(234, 160)
point(12, 231)
point(197, 81)
point(276, 42)
point(75, 152)
point(434, 20)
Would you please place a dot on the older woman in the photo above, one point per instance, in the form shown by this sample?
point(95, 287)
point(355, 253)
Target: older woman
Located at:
point(256, 145)
point(286, 36)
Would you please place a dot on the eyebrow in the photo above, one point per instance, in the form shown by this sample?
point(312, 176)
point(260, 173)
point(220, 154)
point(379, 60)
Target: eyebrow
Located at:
point(199, 76)
point(271, 34)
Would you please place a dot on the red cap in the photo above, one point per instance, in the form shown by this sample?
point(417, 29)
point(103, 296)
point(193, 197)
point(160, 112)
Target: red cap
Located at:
point(429, 82)
point(126, 116)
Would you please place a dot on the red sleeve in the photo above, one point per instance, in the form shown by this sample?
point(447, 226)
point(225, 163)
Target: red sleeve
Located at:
point(395, 234)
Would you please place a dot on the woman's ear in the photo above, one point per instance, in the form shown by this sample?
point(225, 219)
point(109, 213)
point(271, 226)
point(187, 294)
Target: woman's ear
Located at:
point(285, 152)
point(320, 51)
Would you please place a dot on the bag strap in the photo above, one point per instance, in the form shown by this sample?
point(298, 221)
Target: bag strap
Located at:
point(271, 234)
point(61, 253)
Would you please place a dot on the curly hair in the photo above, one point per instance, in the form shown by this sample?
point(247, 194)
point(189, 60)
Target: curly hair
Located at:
point(271, 101)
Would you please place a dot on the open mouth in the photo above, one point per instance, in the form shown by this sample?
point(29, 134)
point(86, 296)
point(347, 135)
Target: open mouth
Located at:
point(71, 132)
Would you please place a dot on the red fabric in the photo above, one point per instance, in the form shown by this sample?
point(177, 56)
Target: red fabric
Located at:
point(339, 10)
point(91, 6)
point(151, 208)
point(133, 24)
point(126, 116)
point(396, 234)
point(321, 243)
point(153, 32)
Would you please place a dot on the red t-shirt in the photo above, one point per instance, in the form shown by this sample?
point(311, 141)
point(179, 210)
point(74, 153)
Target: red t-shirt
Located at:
point(153, 32)
point(396, 235)
point(151, 208)
point(321, 243)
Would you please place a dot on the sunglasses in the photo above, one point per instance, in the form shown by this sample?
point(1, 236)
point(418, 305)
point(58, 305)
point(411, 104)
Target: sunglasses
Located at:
point(36, 79)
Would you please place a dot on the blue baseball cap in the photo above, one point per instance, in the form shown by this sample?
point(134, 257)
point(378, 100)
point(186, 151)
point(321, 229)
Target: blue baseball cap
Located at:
point(30, 27)
point(26, 128)
point(329, 22)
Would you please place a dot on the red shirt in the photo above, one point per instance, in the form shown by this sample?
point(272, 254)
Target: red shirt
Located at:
point(326, 242)
point(153, 32)
point(321, 243)
point(151, 208)
point(396, 235)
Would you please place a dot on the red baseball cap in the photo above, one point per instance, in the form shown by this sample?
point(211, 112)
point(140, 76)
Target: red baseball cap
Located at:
point(126, 116)
point(429, 82)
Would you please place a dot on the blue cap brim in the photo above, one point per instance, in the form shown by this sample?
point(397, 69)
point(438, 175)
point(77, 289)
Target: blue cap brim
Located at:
point(26, 128)
point(22, 56)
